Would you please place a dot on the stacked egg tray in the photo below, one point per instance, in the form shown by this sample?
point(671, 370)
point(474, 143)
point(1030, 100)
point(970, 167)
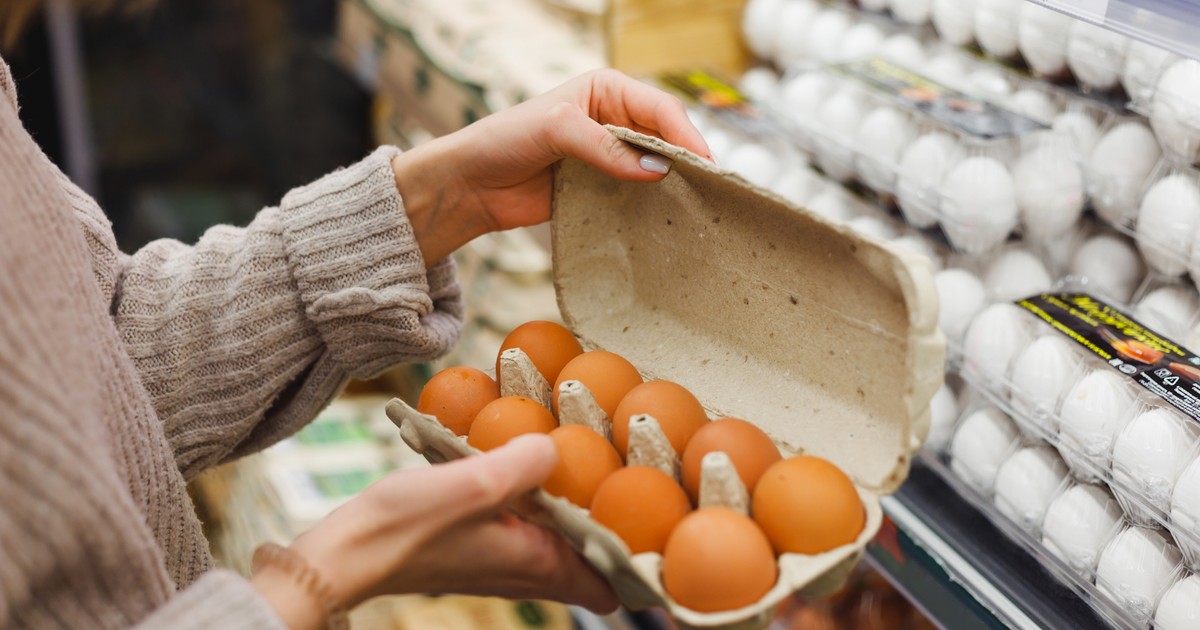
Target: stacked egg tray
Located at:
point(1074, 458)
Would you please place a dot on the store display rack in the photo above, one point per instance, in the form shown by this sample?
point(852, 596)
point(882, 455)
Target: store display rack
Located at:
point(1168, 24)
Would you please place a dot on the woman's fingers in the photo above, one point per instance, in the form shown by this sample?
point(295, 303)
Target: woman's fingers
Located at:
point(570, 132)
point(621, 100)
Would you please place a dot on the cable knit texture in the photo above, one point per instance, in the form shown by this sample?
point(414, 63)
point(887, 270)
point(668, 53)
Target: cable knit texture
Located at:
point(122, 376)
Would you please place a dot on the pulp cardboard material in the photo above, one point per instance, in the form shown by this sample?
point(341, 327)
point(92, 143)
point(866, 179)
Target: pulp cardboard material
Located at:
point(826, 339)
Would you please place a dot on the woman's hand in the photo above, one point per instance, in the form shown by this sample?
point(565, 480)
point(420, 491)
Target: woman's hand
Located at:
point(444, 529)
point(495, 174)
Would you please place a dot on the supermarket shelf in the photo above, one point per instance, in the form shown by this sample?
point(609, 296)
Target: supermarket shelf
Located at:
point(963, 572)
point(1168, 24)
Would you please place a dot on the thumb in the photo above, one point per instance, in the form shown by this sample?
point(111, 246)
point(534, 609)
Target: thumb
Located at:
point(574, 134)
point(487, 482)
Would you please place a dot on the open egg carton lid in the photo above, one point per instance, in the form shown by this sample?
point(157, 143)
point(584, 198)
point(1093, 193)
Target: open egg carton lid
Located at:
point(825, 339)
point(751, 302)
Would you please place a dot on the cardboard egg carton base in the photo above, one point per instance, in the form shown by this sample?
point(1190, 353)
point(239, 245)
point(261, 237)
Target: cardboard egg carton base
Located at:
point(825, 339)
point(635, 578)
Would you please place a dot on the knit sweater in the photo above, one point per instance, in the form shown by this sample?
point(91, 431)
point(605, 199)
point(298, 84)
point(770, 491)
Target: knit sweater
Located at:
point(123, 376)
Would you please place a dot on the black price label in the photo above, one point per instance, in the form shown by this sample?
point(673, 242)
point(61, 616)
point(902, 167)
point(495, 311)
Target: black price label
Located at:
point(1155, 362)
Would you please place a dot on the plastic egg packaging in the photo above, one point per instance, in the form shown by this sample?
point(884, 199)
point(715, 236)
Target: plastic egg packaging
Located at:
point(995, 23)
point(1175, 110)
point(954, 20)
point(1042, 35)
point(1096, 55)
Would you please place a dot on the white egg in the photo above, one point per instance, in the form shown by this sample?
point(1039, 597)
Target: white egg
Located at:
point(923, 167)
point(1016, 274)
point(943, 411)
point(1035, 104)
point(995, 337)
point(988, 82)
point(825, 34)
point(1042, 374)
point(1027, 482)
point(798, 185)
point(861, 41)
point(875, 6)
point(996, 26)
point(960, 297)
point(1185, 510)
point(1179, 608)
point(982, 442)
point(1078, 525)
point(1143, 64)
point(979, 204)
point(803, 95)
point(947, 68)
point(834, 204)
point(873, 227)
point(1042, 39)
point(1110, 264)
point(954, 20)
point(720, 142)
point(754, 162)
point(1081, 127)
point(840, 118)
point(1118, 165)
point(1091, 417)
point(759, 84)
point(1175, 115)
point(884, 133)
point(1147, 457)
point(1050, 190)
point(1168, 310)
point(1096, 55)
point(1136, 567)
point(1166, 223)
point(917, 244)
point(790, 32)
point(903, 50)
point(759, 20)
point(912, 11)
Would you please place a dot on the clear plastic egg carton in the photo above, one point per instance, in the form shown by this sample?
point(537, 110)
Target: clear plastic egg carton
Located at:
point(978, 171)
point(1091, 258)
point(788, 33)
point(1133, 576)
point(1107, 428)
point(1160, 210)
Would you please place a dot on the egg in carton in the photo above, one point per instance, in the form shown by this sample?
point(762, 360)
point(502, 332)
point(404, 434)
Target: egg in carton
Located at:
point(766, 312)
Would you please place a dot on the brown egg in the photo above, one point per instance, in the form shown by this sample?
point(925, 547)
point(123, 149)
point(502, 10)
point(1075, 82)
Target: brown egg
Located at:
point(641, 505)
point(585, 459)
point(750, 450)
point(607, 376)
point(717, 559)
point(805, 504)
point(676, 409)
point(507, 417)
point(549, 345)
point(455, 395)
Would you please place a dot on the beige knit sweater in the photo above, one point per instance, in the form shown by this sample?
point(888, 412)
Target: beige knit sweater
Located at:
point(123, 376)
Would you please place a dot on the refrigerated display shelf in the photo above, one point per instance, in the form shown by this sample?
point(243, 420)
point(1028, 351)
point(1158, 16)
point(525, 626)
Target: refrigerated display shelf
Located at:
point(1168, 24)
point(954, 563)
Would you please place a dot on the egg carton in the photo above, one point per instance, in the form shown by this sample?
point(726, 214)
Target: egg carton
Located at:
point(1170, 98)
point(1106, 428)
point(694, 280)
point(788, 33)
point(978, 171)
point(1160, 210)
point(1133, 577)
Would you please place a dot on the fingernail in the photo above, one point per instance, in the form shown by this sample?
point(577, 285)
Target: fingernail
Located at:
point(655, 163)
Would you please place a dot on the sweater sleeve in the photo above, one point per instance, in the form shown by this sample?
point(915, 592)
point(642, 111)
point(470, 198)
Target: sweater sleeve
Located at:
point(219, 599)
point(243, 337)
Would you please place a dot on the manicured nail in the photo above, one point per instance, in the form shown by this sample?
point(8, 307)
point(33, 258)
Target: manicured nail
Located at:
point(655, 163)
